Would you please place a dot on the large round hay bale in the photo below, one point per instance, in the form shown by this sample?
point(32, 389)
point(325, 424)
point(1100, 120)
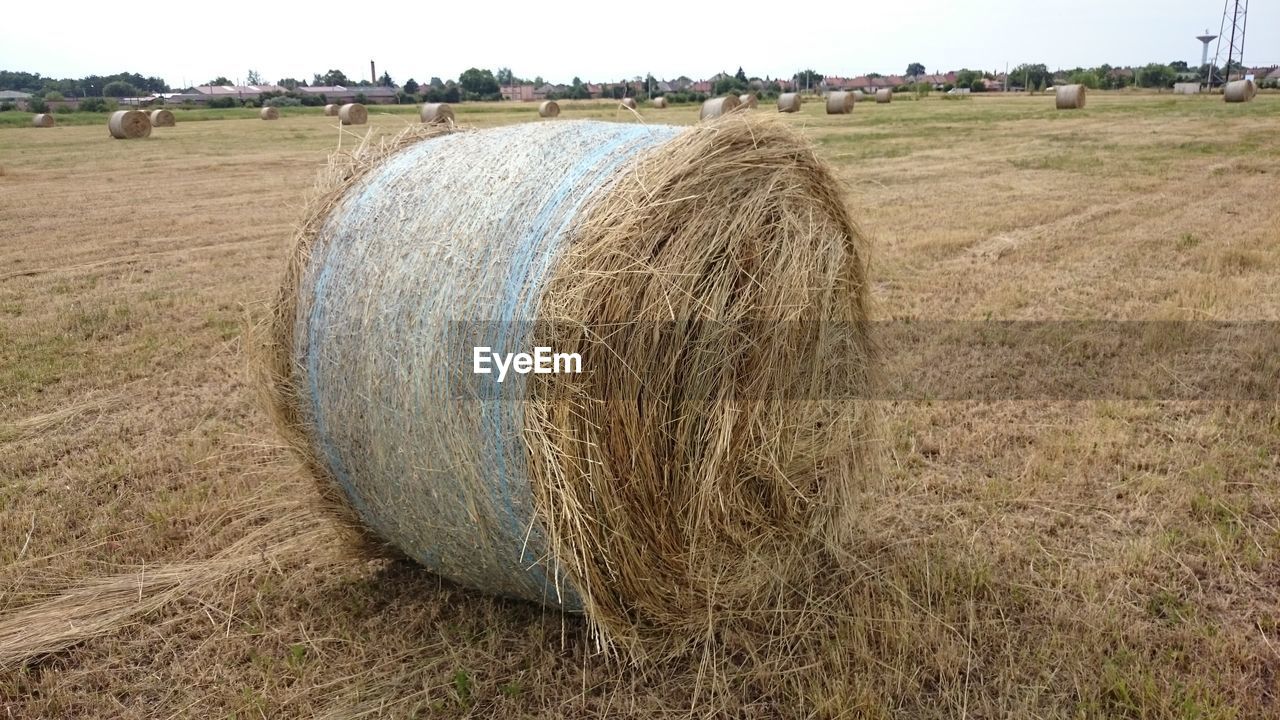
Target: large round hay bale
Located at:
point(162, 118)
point(629, 103)
point(129, 125)
point(884, 95)
point(269, 113)
point(353, 114)
point(839, 102)
point(715, 107)
point(549, 109)
point(331, 110)
point(43, 120)
point(1069, 97)
point(1238, 91)
point(789, 102)
point(659, 102)
point(709, 278)
point(436, 114)
point(749, 101)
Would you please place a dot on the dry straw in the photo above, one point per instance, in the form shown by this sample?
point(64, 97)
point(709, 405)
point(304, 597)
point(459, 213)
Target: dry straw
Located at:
point(436, 114)
point(1069, 97)
point(353, 114)
point(659, 102)
point(673, 492)
point(269, 113)
point(331, 110)
point(629, 103)
point(789, 102)
point(43, 120)
point(129, 125)
point(749, 101)
point(839, 102)
point(162, 118)
point(715, 107)
point(549, 109)
point(1238, 91)
point(884, 95)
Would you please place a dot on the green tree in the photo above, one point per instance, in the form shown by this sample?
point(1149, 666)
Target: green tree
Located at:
point(915, 69)
point(1156, 75)
point(1179, 66)
point(741, 76)
point(290, 83)
point(220, 80)
point(808, 79)
point(1087, 78)
point(965, 77)
point(478, 84)
point(411, 86)
point(253, 77)
point(333, 77)
point(1031, 76)
point(385, 80)
point(119, 89)
point(504, 76)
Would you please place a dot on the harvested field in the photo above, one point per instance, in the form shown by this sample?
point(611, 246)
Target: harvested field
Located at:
point(1018, 558)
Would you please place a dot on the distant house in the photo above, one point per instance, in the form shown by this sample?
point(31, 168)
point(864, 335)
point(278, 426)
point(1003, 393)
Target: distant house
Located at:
point(239, 92)
point(702, 86)
point(15, 97)
point(519, 93)
point(373, 94)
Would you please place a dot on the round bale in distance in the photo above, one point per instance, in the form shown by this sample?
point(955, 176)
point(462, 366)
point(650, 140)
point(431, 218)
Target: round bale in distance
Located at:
point(884, 95)
point(353, 114)
point(749, 101)
point(839, 102)
point(43, 120)
point(629, 103)
point(579, 491)
point(1069, 97)
point(1238, 91)
point(789, 102)
point(331, 110)
point(269, 113)
point(715, 107)
point(436, 114)
point(549, 109)
point(162, 118)
point(129, 125)
point(659, 102)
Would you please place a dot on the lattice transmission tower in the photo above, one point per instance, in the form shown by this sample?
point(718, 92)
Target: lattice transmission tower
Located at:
point(1235, 19)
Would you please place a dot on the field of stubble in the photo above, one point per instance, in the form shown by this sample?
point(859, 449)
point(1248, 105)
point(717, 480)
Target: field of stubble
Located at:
point(1023, 558)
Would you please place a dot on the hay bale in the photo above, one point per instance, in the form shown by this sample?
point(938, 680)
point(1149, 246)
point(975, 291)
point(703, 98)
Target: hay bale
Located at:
point(331, 110)
point(1069, 97)
point(749, 101)
point(43, 120)
point(353, 114)
point(436, 114)
point(789, 102)
point(1238, 91)
point(715, 107)
point(549, 109)
point(839, 102)
point(678, 472)
point(129, 125)
point(659, 102)
point(163, 118)
point(269, 113)
point(629, 103)
point(884, 95)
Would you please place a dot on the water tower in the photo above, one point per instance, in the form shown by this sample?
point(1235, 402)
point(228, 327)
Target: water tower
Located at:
point(1206, 38)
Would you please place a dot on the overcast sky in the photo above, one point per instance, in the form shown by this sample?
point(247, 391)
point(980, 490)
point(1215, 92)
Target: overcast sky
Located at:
point(190, 43)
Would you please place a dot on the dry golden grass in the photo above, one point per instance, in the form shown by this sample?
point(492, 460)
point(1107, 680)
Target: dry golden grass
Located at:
point(1020, 558)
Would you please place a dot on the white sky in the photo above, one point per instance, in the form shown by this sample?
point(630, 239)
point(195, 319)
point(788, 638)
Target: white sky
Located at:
point(190, 43)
